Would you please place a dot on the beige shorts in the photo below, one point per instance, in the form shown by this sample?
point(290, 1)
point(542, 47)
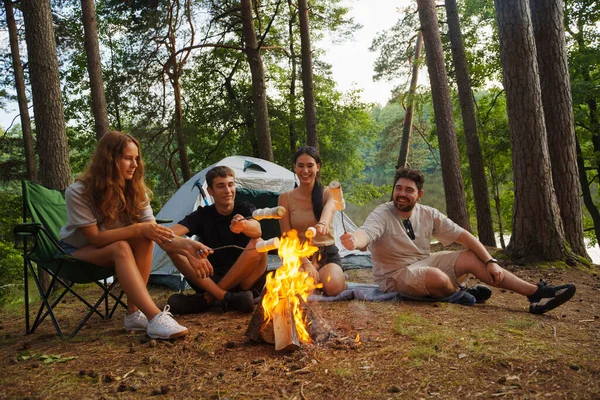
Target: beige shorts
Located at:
point(411, 280)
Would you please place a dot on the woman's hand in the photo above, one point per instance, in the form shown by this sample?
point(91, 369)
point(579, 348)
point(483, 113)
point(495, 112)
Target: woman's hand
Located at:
point(310, 269)
point(157, 233)
point(199, 249)
point(322, 228)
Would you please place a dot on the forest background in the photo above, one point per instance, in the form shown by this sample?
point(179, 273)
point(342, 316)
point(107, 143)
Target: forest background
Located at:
point(184, 76)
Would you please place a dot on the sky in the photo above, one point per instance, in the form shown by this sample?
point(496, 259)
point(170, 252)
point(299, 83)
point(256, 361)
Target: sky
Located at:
point(351, 61)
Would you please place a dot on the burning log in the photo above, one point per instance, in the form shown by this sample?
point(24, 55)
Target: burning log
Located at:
point(281, 330)
point(318, 329)
point(282, 315)
point(284, 327)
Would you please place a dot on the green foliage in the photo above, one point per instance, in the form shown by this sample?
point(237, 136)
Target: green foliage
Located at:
point(11, 262)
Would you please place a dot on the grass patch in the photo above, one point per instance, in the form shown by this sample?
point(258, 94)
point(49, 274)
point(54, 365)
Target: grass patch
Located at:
point(342, 372)
point(410, 325)
point(519, 323)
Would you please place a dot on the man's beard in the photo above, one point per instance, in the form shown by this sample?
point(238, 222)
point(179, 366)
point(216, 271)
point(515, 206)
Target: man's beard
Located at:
point(406, 207)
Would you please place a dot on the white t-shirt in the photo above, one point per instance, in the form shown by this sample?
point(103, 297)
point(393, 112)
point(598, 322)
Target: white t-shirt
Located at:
point(80, 213)
point(392, 249)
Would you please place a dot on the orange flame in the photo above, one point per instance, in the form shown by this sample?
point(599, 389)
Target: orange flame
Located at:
point(289, 282)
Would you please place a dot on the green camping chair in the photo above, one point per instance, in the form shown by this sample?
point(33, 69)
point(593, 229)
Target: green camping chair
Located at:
point(46, 210)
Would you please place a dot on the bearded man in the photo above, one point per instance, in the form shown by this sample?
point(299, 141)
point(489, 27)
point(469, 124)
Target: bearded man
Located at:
point(398, 234)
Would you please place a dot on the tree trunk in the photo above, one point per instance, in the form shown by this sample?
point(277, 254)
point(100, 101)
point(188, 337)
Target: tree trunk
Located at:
point(456, 204)
point(55, 171)
point(259, 91)
point(181, 146)
point(174, 71)
point(588, 200)
point(485, 227)
point(30, 161)
point(293, 75)
point(410, 107)
point(537, 230)
point(310, 111)
point(548, 29)
point(94, 67)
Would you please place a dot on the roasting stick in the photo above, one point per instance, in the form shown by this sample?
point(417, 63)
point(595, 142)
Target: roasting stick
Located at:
point(262, 246)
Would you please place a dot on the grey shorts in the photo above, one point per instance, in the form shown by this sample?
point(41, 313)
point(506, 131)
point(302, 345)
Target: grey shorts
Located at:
point(411, 280)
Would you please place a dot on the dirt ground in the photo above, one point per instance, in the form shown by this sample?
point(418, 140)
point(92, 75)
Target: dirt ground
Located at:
point(407, 350)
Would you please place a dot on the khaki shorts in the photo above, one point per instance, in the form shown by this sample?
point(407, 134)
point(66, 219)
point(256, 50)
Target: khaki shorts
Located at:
point(411, 280)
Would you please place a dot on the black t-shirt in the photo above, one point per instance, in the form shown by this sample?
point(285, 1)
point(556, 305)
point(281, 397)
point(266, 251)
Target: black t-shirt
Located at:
point(213, 230)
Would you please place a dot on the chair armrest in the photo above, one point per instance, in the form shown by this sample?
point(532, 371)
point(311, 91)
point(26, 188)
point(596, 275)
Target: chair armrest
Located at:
point(27, 229)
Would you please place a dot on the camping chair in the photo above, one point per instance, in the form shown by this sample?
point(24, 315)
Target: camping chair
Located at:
point(47, 212)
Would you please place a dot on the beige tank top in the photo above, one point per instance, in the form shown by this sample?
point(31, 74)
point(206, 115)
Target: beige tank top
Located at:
point(302, 217)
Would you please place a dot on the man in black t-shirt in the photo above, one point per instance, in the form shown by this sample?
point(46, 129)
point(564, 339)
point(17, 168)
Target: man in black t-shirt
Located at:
point(224, 272)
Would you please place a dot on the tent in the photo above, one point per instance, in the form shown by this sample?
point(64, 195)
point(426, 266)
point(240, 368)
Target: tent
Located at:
point(258, 181)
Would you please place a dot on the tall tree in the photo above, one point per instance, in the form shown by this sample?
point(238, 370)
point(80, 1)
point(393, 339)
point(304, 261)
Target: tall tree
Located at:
point(259, 90)
point(310, 110)
point(456, 203)
point(410, 106)
point(537, 230)
point(174, 70)
point(94, 67)
point(55, 171)
point(293, 16)
point(581, 21)
point(485, 227)
point(548, 29)
point(30, 161)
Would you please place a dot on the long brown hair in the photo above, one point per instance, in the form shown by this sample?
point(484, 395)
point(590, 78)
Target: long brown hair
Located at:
point(110, 194)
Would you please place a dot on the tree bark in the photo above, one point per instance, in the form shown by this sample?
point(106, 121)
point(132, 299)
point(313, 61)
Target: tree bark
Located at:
point(293, 76)
point(259, 91)
point(30, 162)
point(537, 230)
point(55, 171)
point(310, 111)
point(456, 204)
point(485, 226)
point(410, 107)
point(94, 67)
point(548, 29)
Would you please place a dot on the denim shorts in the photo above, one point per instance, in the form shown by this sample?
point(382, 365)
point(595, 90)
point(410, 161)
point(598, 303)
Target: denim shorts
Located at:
point(67, 248)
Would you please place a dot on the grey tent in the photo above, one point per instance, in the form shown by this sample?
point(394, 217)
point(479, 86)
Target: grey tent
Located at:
point(258, 181)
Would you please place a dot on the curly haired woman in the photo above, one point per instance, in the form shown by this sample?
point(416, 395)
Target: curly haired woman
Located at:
point(110, 223)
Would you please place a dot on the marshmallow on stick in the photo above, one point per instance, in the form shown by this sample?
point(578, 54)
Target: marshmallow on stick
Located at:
point(310, 233)
point(268, 213)
point(338, 195)
point(267, 245)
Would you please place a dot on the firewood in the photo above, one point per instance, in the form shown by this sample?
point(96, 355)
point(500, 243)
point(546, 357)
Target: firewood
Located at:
point(318, 330)
point(286, 335)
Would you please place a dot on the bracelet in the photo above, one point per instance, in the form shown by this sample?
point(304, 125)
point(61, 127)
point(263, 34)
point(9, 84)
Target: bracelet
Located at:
point(321, 223)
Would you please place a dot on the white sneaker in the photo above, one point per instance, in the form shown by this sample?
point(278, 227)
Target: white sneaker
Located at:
point(136, 321)
point(163, 326)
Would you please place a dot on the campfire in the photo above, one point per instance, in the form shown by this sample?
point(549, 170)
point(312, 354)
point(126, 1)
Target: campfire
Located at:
point(283, 317)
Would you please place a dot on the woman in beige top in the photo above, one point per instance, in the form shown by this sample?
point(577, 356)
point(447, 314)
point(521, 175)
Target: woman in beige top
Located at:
point(309, 205)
